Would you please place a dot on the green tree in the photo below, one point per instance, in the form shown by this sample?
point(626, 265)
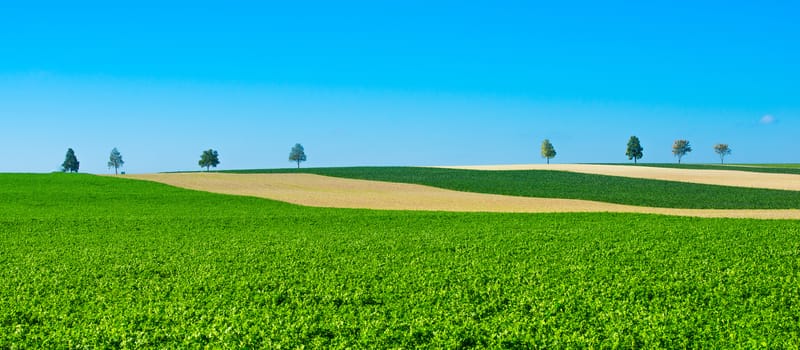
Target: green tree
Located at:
point(722, 150)
point(115, 160)
point(71, 162)
point(297, 154)
point(634, 149)
point(680, 148)
point(548, 151)
point(208, 159)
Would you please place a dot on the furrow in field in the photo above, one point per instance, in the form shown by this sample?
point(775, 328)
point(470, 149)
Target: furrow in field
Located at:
point(324, 191)
point(735, 178)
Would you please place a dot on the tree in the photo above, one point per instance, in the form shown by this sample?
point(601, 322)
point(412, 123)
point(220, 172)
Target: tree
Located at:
point(680, 148)
point(297, 154)
point(722, 150)
point(115, 160)
point(548, 152)
point(71, 162)
point(208, 159)
point(634, 149)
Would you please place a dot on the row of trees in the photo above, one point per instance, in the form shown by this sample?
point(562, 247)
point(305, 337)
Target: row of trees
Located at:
point(681, 147)
point(71, 163)
point(209, 158)
point(635, 150)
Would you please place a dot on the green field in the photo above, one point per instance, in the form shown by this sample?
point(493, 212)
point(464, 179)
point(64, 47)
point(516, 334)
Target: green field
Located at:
point(779, 165)
point(563, 184)
point(111, 263)
point(758, 168)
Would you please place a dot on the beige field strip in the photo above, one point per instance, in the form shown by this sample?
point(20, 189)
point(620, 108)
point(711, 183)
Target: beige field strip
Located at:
point(709, 177)
point(324, 191)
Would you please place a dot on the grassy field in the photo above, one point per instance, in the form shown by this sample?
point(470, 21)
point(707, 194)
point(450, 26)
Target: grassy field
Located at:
point(562, 184)
point(104, 262)
point(778, 165)
point(759, 168)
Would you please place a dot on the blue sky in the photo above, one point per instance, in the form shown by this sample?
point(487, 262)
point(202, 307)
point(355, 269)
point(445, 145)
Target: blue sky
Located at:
point(394, 82)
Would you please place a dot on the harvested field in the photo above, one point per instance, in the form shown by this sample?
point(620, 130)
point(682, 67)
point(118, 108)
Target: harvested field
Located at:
point(323, 191)
point(708, 177)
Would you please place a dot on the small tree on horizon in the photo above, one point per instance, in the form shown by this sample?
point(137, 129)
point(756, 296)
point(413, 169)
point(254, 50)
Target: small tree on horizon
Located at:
point(680, 148)
point(208, 159)
point(115, 160)
point(71, 162)
point(722, 150)
point(634, 149)
point(297, 154)
point(548, 151)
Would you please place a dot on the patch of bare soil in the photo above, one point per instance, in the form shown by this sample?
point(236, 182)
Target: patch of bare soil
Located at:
point(323, 191)
point(735, 178)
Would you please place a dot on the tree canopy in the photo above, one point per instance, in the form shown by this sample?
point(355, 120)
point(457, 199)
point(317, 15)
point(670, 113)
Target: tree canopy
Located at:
point(71, 162)
point(209, 158)
point(297, 154)
point(634, 149)
point(548, 151)
point(115, 160)
point(722, 150)
point(680, 148)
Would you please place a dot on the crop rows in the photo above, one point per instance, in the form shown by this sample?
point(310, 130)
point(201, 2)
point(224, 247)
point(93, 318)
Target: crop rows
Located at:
point(99, 262)
point(563, 184)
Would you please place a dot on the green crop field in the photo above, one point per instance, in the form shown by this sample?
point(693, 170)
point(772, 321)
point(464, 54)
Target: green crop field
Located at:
point(563, 184)
point(758, 168)
point(779, 165)
point(98, 262)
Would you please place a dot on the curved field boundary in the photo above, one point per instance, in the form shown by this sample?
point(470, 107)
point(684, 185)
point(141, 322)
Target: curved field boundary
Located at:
point(323, 191)
point(736, 178)
point(570, 185)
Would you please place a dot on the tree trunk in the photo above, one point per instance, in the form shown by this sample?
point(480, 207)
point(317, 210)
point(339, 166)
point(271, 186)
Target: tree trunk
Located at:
point(634, 160)
point(548, 160)
point(298, 164)
point(115, 171)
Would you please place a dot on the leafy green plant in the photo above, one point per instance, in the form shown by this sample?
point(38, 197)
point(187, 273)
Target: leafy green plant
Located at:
point(133, 264)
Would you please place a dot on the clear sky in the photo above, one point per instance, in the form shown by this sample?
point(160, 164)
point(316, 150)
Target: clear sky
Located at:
point(394, 82)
